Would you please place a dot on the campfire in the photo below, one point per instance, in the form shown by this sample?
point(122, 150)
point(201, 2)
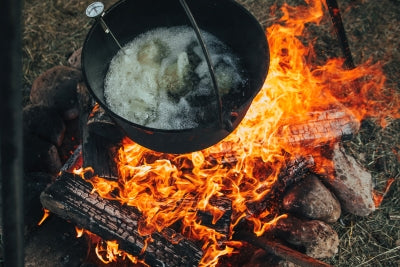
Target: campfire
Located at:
point(273, 186)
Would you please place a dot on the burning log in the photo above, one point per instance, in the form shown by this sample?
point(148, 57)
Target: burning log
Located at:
point(72, 199)
point(100, 137)
point(100, 123)
point(332, 124)
point(222, 226)
point(74, 161)
point(100, 154)
point(293, 172)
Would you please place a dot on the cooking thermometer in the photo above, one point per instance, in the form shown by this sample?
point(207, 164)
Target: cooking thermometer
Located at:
point(96, 11)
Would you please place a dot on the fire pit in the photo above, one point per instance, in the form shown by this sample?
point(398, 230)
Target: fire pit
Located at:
point(238, 162)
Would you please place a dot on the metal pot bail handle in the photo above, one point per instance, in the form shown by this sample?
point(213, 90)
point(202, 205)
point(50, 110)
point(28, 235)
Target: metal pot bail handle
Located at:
point(208, 60)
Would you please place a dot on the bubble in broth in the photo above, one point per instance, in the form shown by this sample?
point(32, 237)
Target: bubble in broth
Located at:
point(161, 79)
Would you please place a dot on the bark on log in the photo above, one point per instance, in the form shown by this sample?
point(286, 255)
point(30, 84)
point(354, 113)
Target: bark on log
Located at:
point(70, 197)
point(100, 123)
point(332, 124)
point(99, 152)
point(222, 226)
point(293, 172)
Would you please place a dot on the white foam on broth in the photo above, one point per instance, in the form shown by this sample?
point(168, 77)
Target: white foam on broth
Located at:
point(161, 79)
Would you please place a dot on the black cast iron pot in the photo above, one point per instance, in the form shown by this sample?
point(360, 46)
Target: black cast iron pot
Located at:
point(226, 19)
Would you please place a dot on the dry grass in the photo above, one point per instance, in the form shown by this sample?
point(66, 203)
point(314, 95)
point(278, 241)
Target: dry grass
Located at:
point(55, 28)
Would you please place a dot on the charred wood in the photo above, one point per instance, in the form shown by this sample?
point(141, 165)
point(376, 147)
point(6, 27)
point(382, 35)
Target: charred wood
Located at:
point(71, 198)
point(74, 161)
point(99, 152)
point(280, 250)
point(85, 102)
point(222, 225)
point(332, 124)
point(100, 123)
point(292, 172)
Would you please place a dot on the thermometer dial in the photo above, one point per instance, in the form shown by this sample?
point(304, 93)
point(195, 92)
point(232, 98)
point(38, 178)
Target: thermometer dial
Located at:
point(95, 9)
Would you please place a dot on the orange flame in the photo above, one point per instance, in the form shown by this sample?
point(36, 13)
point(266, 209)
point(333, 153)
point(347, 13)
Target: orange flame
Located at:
point(107, 251)
point(79, 232)
point(169, 188)
point(46, 214)
point(378, 197)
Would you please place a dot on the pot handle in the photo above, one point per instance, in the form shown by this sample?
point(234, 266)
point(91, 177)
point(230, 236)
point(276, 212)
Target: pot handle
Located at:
point(208, 60)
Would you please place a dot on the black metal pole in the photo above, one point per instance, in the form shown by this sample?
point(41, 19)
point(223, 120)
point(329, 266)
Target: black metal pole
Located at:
point(334, 11)
point(11, 149)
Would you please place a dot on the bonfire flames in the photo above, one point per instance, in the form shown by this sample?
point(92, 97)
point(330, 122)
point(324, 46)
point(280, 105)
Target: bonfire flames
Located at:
point(168, 188)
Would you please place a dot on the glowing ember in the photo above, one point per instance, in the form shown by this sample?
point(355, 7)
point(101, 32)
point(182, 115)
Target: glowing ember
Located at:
point(169, 188)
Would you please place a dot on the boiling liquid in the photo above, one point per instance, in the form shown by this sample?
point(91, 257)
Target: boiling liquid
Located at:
point(161, 79)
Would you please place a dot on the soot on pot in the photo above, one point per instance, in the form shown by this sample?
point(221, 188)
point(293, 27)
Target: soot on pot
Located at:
point(161, 79)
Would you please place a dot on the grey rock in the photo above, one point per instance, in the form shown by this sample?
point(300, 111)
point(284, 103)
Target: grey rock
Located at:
point(311, 199)
point(351, 183)
point(57, 88)
point(318, 238)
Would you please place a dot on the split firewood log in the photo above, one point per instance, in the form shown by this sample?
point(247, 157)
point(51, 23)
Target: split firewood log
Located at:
point(73, 199)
